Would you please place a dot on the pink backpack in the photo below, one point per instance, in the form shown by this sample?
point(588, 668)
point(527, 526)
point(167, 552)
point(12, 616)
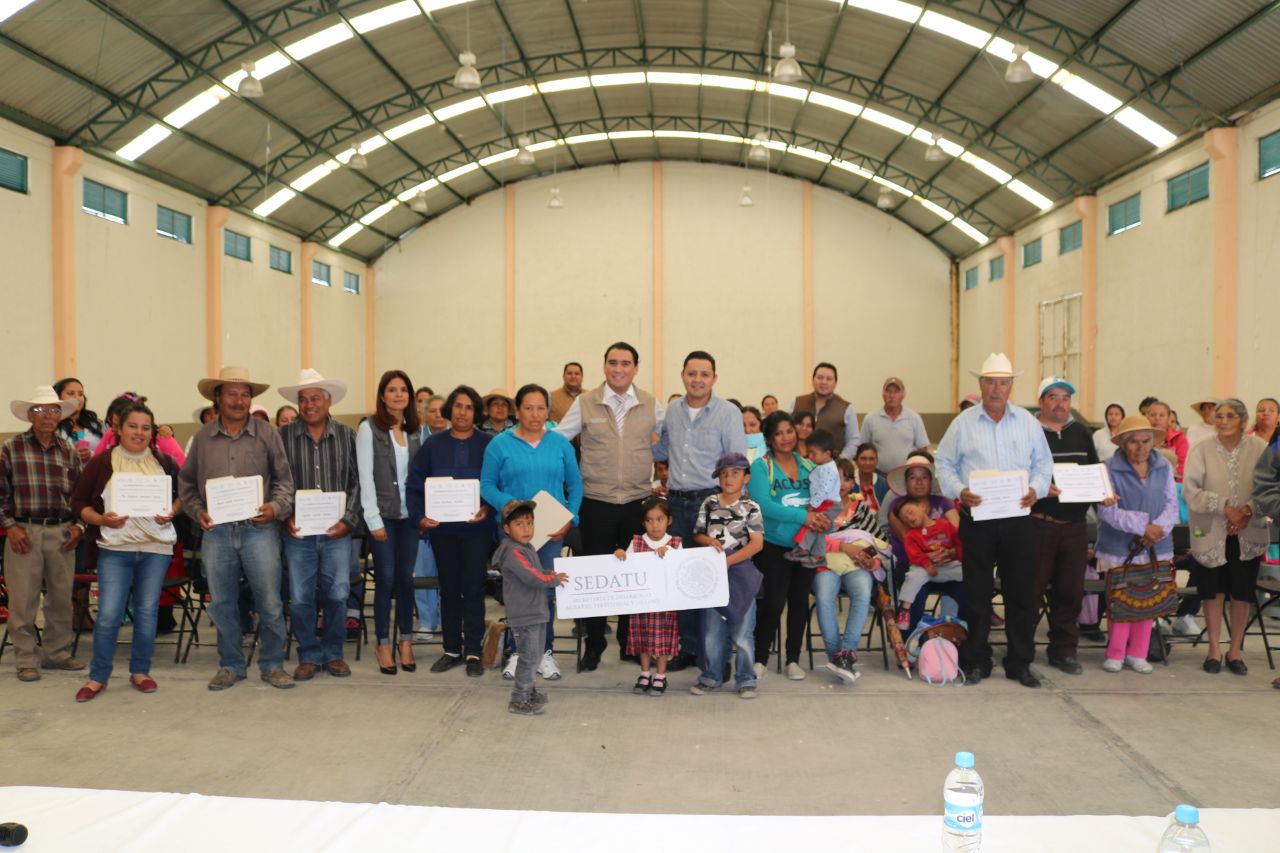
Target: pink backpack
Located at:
point(938, 663)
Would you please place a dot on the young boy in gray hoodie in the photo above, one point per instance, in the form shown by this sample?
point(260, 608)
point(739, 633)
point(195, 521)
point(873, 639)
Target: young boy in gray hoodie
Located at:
point(524, 585)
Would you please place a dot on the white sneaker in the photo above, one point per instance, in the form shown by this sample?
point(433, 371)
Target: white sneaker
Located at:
point(423, 636)
point(548, 669)
point(1137, 665)
point(509, 671)
point(1186, 625)
point(1112, 665)
point(760, 669)
point(794, 672)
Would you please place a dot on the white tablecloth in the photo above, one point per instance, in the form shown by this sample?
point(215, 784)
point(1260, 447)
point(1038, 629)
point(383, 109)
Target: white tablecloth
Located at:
point(73, 819)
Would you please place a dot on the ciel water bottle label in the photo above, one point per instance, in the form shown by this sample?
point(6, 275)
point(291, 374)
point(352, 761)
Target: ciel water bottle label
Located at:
point(966, 818)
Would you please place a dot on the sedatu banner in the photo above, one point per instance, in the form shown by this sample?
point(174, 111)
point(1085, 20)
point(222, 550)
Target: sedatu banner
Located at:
point(685, 579)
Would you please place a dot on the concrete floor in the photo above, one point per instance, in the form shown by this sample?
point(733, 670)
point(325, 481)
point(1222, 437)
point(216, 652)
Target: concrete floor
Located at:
point(1095, 743)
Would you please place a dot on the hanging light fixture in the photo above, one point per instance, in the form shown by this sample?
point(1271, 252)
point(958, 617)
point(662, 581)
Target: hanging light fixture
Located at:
point(885, 201)
point(934, 153)
point(788, 69)
point(358, 162)
point(555, 202)
point(419, 202)
point(467, 77)
point(250, 86)
point(745, 200)
point(525, 156)
point(1019, 71)
point(759, 152)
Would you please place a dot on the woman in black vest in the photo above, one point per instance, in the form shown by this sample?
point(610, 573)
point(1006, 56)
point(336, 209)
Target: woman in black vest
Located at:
point(385, 445)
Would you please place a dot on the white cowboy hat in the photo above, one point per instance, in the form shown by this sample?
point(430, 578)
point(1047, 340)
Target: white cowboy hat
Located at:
point(996, 365)
point(897, 478)
point(311, 378)
point(44, 396)
point(207, 385)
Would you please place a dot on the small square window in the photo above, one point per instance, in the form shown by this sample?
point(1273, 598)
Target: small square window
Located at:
point(281, 259)
point(13, 171)
point(1124, 215)
point(237, 245)
point(995, 271)
point(971, 278)
point(106, 202)
point(1070, 237)
point(1269, 155)
point(173, 224)
point(350, 282)
point(1189, 187)
point(1031, 253)
point(321, 274)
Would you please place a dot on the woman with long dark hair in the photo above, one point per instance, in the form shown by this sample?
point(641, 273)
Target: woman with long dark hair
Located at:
point(83, 429)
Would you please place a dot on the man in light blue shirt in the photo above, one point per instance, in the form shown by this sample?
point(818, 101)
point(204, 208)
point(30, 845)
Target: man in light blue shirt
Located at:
point(894, 429)
point(996, 436)
point(699, 428)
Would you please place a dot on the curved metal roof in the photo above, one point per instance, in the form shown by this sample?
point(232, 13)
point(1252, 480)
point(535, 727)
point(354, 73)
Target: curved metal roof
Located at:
point(153, 84)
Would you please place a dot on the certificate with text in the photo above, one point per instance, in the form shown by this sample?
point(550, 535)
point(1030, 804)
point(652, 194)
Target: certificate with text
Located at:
point(1001, 492)
point(314, 511)
point(690, 579)
point(448, 499)
point(230, 499)
point(1081, 484)
point(141, 495)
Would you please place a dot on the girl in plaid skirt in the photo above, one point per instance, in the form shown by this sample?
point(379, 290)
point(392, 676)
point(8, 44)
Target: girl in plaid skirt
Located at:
point(653, 635)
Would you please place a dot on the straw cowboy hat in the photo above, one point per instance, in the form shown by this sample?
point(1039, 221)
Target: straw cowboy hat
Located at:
point(1205, 401)
point(310, 378)
point(44, 396)
point(998, 366)
point(897, 478)
point(499, 394)
point(1132, 423)
point(207, 386)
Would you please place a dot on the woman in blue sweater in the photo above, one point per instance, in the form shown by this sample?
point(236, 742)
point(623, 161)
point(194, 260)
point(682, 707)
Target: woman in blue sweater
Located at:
point(780, 484)
point(526, 460)
point(461, 548)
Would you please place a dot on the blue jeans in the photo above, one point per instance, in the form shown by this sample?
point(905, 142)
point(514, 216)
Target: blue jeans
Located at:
point(393, 562)
point(827, 587)
point(254, 550)
point(323, 565)
point(428, 600)
point(118, 572)
point(684, 515)
point(716, 639)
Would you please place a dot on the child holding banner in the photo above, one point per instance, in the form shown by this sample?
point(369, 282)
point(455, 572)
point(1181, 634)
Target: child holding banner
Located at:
point(653, 635)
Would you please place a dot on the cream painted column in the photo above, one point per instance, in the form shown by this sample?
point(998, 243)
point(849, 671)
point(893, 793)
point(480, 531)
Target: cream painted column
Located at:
point(656, 345)
point(1223, 145)
point(305, 258)
point(214, 221)
point(1008, 248)
point(955, 332)
point(509, 288)
point(370, 293)
point(806, 274)
point(1087, 208)
point(67, 163)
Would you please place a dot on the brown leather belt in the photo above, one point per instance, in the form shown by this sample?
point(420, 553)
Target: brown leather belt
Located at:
point(1043, 517)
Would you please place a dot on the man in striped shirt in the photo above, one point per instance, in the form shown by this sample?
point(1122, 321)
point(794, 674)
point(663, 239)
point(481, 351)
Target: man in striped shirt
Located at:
point(996, 436)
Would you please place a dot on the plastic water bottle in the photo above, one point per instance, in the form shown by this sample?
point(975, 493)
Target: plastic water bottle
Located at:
point(1184, 835)
point(962, 800)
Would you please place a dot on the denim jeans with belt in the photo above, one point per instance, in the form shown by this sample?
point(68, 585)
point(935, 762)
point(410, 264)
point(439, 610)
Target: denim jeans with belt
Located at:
point(254, 550)
point(118, 573)
point(318, 565)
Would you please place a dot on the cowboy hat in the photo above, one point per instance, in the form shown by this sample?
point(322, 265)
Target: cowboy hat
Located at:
point(207, 386)
point(311, 378)
point(1205, 401)
point(997, 365)
point(897, 478)
point(1132, 423)
point(497, 393)
point(44, 396)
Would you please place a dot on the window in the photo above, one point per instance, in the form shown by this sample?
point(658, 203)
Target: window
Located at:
point(1189, 187)
point(281, 259)
point(1070, 238)
point(236, 245)
point(1060, 337)
point(1031, 253)
point(171, 223)
point(1124, 215)
point(320, 273)
point(13, 171)
point(996, 270)
point(101, 200)
point(350, 282)
point(971, 278)
point(1269, 155)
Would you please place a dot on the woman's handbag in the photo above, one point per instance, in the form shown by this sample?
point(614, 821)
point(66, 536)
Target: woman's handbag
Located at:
point(1140, 591)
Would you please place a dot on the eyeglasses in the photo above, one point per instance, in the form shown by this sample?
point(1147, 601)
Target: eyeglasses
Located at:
point(1226, 416)
point(45, 410)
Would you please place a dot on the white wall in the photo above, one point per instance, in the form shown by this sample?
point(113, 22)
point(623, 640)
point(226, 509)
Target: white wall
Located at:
point(1256, 364)
point(337, 328)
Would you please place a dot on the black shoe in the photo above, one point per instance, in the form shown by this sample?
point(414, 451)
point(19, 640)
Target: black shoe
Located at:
point(1094, 636)
point(590, 660)
point(446, 663)
point(1070, 666)
point(681, 662)
point(1026, 678)
point(474, 668)
point(1237, 666)
point(973, 675)
point(1212, 666)
point(985, 668)
point(629, 658)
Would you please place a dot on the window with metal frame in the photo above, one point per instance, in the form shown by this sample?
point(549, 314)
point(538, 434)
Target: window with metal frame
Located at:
point(107, 202)
point(1124, 215)
point(995, 270)
point(281, 259)
point(1060, 338)
point(971, 278)
point(1070, 237)
point(237, 245)
point(321, 274)
point(1189, 187)
point(1269, 155)
point(350, 282)
point(173, 224)
point(1031, 253)
point(13, 171)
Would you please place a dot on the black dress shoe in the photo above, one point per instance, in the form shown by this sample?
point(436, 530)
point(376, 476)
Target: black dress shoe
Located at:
point(474, 668)
point(973, 675)
point(681, 662)
point(590, 660)
point(985, 669)
point(1070, 666)
point(1212, 666)
point(446, 663)
point(1237, 666)
point(1026, 678)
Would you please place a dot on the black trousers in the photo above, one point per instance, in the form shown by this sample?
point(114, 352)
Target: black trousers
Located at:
point(461, 562)
point(786, 585)
point(1009, 543)
point(1064, 553)
point(606, 527)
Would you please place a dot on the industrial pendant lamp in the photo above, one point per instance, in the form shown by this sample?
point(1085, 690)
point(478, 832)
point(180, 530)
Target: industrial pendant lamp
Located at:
point(745, 200)
point(555, 202)
point(759, 148)
point(1019, 71)
point(467, 77)
point(788, 69)
point(525, 156)
point(358, 162)
point(885, 201)
point(419, 203)
point(250, 86)
point(934, 153)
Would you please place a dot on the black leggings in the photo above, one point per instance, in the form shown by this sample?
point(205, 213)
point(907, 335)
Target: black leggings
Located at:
point(786, 585)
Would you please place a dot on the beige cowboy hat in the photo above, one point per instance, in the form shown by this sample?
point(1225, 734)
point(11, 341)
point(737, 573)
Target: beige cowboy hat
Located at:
point(207, 386)
point(498, 393)
point(1132, 423)
point(311, 378)
point(897, 478)
point(1213, 401)
point(997, 365)
point(44, 396)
